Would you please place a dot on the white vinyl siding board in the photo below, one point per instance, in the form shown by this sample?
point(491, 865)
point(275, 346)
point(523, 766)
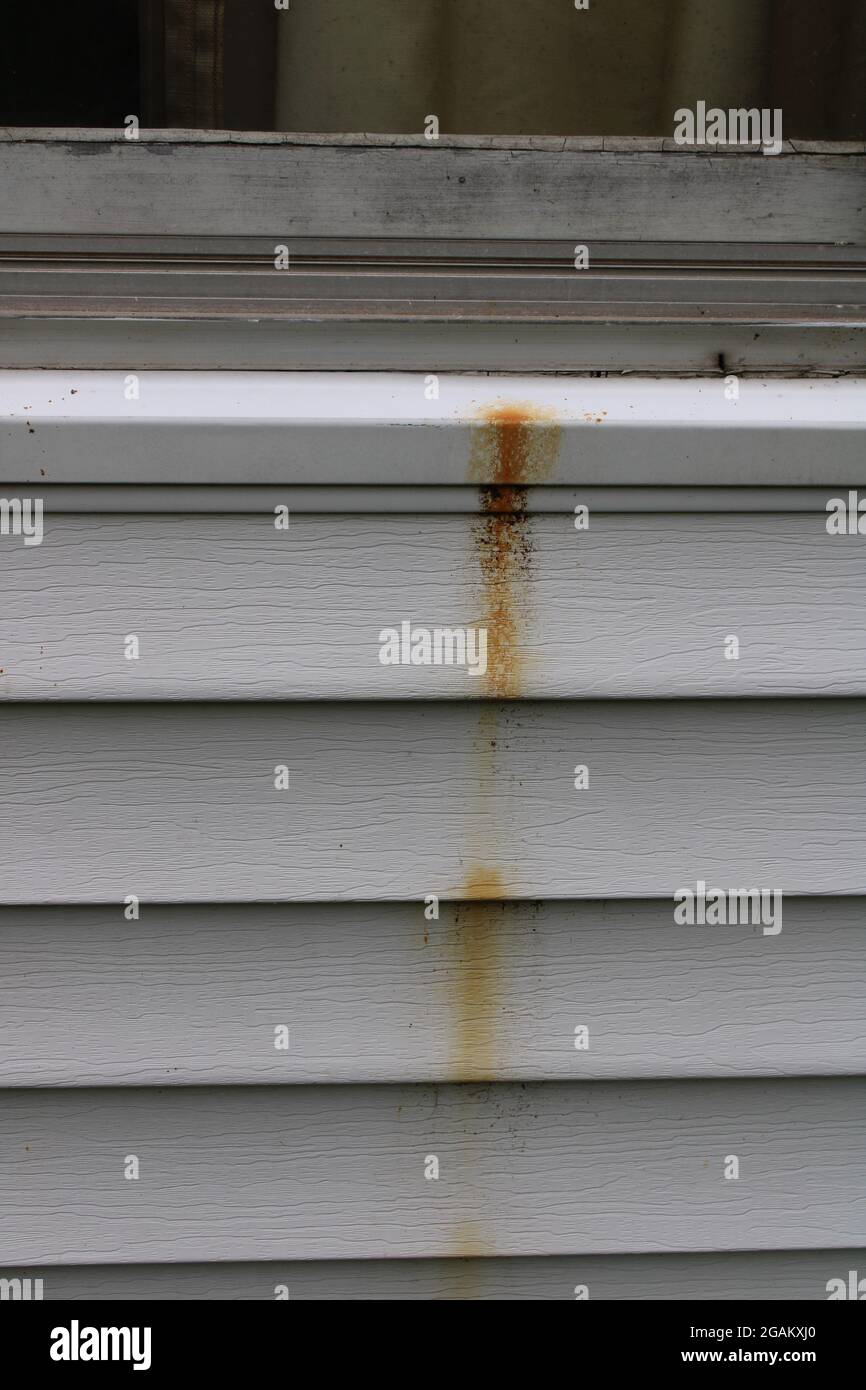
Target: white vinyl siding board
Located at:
point(338, 1172)
point(632, 607)
point(376, 992)
point(750, 1275)
point(176, 802)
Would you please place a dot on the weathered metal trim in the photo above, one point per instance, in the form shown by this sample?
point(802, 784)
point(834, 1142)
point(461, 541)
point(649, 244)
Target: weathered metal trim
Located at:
point(72, 340)
point(287, 187)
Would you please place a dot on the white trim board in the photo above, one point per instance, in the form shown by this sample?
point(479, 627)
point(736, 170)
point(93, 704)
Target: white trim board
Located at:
point(374, 428)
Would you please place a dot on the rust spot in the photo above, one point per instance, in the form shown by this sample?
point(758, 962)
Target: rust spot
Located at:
point(513, 445)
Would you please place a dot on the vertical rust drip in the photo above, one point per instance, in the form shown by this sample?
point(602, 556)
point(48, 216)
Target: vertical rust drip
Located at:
point(513, 446)
point(476, 993)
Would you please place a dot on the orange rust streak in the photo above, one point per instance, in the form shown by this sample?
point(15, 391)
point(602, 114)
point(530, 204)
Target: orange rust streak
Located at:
point(483, 883)
point(513, 445)
point(476, 998)
point(467, 1243)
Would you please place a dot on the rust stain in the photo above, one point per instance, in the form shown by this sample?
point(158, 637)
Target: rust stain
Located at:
point(514, 445)
point(472, 931)
point(462, 1275)
point(459, 1280)
point(483, 883)
point(468, 1241)
point(476, 949)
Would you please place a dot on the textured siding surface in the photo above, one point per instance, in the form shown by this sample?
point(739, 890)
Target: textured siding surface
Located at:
point(375, 992)
point(629, 608)
point(176, 802)
point(755, 1274)
point(525, 1169)
point(149, 1030)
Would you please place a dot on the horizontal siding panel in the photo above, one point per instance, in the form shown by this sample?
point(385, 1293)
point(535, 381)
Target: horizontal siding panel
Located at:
point(340, 428)
point(375, 993)
point(754, 1275)
point(332, 1172)
point(177, 802)
point(229, 607)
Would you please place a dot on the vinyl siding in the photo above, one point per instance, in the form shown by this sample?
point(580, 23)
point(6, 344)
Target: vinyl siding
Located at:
point(309, 1172)
point(375, 993)
point(627, 609)
point(176, 802)
point(754, 1274)
point(413, 1036)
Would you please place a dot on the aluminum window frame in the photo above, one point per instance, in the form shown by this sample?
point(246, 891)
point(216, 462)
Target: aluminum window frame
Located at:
point(408, 254)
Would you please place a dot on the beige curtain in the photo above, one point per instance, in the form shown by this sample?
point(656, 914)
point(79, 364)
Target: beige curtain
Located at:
point(510, 67)
point(542, 67)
